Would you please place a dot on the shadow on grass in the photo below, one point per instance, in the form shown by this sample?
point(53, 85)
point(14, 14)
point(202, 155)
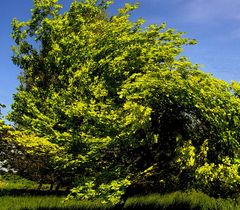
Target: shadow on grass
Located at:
point(190, 200)
point(31, 192)
point(72, 208)
point(142, 208)
point(146, 207)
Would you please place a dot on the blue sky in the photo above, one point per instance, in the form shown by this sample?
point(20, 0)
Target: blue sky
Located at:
point(214, 23)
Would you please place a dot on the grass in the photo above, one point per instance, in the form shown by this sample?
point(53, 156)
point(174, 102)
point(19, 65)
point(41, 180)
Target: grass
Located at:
point(44, 203)
point(191, 200)
point(17, 193)
point(12, 181)
point(177, 200)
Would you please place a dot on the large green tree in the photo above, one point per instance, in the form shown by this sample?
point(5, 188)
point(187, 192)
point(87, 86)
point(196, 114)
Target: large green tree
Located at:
point(122, 101)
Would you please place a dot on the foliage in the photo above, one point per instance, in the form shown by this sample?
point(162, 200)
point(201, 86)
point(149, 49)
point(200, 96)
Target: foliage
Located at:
point(11, 181)
point(217, 179)
point(106, 193)
point(3, 127)
point(1, 106)
point(4, 148)
point(38, 159)
point(121, 103)
point(34, 153)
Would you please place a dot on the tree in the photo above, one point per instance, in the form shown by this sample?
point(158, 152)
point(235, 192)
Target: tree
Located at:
point(36, 158)
point(1, 106)
point(121, 99)
point(3, 133)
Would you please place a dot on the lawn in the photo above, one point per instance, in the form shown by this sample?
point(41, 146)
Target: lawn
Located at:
point(17, 193)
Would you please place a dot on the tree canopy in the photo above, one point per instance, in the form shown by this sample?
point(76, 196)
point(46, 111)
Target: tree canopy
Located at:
point(128, 111)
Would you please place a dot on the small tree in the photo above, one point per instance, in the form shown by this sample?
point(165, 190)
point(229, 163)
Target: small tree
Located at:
point(37, 159)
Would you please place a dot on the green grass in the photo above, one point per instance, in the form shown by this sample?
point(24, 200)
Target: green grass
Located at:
point(177, 200)
point(181, 200)
point(43, 203)
point(13, 181)
point(17, 193)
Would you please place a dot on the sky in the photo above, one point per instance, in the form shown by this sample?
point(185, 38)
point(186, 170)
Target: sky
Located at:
point(214, 23)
